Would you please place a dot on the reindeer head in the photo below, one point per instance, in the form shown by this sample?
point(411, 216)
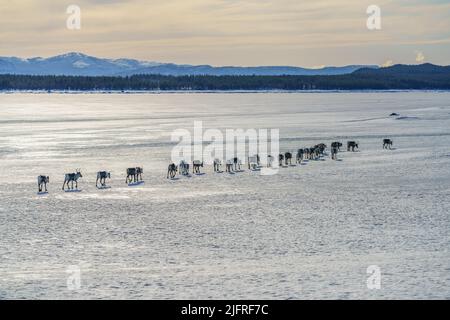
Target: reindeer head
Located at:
point(108, 175)
point(79, 173)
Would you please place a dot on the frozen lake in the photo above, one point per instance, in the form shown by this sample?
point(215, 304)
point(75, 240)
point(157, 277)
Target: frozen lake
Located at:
point(308, 232)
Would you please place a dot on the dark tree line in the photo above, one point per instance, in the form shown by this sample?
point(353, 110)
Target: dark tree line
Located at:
point(359, 80)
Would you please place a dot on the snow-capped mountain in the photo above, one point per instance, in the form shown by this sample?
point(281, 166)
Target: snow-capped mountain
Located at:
point(70, 64)
point(78, 64)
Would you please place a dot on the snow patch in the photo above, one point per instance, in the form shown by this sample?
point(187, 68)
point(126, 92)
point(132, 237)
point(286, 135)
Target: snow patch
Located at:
point(80, 64)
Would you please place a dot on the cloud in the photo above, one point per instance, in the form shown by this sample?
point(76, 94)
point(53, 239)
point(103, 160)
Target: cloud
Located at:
point(420, 58)
point(388, 63)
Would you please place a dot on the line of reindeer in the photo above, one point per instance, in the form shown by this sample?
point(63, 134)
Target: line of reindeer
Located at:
point(134, 175)
point(284, 159)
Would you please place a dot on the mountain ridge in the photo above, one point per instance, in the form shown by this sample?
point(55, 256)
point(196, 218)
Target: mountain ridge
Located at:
point(79, 64)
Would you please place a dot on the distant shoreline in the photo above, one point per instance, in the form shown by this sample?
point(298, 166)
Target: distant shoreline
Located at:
point(399, 77)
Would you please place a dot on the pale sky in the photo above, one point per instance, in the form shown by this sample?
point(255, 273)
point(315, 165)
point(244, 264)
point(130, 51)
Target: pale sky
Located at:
point(309, 33)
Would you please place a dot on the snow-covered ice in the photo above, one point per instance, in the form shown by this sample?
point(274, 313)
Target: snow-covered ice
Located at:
point(308, 232)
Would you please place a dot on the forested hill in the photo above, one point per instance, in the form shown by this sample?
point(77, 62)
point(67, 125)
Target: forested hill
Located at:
point(425, 69)
point(398, 77)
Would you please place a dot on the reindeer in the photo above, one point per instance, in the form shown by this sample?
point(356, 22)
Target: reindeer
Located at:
point(269, 161)
point(337, 145)
point(299, 157)
point(184, 168)
point(288, 158)
point(134, 174)
point(237, 164)
point(387, 143)
point(314, 153)
point(172, 170)
point(102, 176)
point(42, 181)
point(196, 165)
point(253, 162)
point(320, 148)
point(307, 153)
point(217, 165)
point(351, 145)
point(334, 151)
point(139, 172)
point(280, 159)
point(72, 177)
point(258, 160)
point(229, 166)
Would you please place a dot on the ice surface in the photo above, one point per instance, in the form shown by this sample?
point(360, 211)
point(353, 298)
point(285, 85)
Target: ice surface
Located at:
point(310, 231)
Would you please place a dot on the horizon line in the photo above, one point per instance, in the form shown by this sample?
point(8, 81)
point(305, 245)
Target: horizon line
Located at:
point(216, 66)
